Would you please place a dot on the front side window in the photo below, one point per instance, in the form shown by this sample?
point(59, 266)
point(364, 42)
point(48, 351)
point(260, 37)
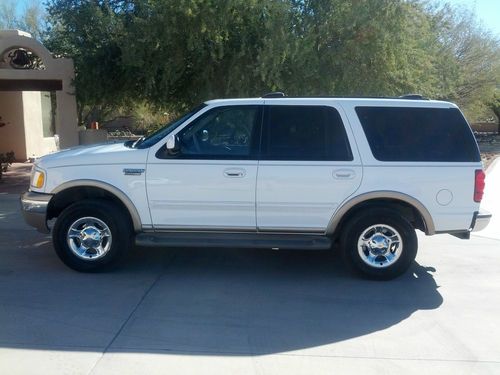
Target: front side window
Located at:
point(229, 132)
point(161, 133)
point(304, 133)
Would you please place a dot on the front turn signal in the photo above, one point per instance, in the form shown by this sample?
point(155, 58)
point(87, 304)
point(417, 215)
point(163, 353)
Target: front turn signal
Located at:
point(38, 179)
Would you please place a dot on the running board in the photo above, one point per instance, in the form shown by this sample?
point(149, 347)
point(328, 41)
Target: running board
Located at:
point(237, 240)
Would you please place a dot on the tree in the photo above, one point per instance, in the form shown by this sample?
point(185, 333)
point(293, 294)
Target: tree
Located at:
point(8, 16)
point(31, 18)
point(469, 60)
point(360, 48)
point(174, 54)
point(495, 107)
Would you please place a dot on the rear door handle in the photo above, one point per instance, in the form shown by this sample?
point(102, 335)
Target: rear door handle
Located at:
point(344, 174)
point(234, 172)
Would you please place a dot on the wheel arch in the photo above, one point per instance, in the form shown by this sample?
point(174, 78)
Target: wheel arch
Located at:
point(393, 199)
point(71, 191)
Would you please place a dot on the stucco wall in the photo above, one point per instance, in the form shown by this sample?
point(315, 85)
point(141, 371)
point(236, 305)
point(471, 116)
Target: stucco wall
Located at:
point(12, 135)
point(55, 69)
point(23, 134)
point(36, 144)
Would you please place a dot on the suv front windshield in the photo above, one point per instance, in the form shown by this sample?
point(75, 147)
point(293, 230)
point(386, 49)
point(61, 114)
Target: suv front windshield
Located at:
point(159, 134)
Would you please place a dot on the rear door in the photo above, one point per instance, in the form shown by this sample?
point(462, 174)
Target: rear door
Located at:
point(308, 166)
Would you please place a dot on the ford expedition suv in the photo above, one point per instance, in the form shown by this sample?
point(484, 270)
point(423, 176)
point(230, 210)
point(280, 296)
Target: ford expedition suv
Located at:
point(272, 172)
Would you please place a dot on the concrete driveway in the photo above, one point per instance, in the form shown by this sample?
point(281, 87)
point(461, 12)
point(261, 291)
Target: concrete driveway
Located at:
point(199, 311)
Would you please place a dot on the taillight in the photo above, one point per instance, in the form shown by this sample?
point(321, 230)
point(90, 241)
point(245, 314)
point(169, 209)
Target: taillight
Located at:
point(479, 185)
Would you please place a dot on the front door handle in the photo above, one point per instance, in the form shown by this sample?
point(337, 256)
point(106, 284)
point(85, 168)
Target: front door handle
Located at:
point(234, 173)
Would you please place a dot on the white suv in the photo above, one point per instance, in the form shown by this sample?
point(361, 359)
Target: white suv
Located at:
point(271, 172)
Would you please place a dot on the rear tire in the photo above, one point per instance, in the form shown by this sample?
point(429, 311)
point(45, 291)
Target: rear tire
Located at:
point(380, 244)
point(92, 235)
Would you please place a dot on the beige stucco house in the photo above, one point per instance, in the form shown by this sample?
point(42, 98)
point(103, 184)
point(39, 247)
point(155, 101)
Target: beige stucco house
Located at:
point(37, 101)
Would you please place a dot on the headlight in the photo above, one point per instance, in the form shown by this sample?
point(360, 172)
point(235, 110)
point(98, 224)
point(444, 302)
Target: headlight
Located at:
point(37, 178)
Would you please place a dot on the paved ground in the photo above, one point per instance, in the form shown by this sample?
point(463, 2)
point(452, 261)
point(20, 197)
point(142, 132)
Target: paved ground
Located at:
point(16, 179)
point(172, 311)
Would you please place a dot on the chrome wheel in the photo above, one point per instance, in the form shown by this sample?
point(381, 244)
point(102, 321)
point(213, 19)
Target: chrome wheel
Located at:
point(89, 238)
point(380, 245)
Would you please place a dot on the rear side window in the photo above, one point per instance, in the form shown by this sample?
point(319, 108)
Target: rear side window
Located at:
point(304, 133)
point(418, 134)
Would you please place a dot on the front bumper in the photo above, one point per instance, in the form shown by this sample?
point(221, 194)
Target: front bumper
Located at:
point(480, 220)
point(34, 209)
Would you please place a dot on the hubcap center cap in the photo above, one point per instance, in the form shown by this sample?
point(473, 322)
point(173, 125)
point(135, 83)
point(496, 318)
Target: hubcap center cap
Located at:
point(379, 244)
point(91, 237)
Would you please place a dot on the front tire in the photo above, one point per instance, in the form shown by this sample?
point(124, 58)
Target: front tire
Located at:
point(379, 243)
point(92, 235)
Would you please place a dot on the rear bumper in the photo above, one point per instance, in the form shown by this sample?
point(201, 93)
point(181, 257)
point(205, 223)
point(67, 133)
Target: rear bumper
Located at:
point(34, 209)
point(480, 220)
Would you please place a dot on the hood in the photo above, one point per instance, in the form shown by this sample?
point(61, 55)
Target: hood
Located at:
point(100, 154)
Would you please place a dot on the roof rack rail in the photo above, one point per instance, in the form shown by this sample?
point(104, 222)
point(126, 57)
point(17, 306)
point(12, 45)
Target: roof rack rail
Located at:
point(276, 94)
point(413, 97)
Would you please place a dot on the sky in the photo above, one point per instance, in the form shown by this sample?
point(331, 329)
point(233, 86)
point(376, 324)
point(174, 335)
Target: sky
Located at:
point(487, 11)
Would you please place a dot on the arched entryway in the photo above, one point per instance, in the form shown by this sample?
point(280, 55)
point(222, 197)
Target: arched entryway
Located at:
point(37, 101)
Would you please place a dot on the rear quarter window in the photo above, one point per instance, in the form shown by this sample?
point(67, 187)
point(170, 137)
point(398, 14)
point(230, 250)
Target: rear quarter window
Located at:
point(418, 134)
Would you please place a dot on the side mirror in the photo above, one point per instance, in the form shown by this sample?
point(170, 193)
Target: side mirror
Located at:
point(172, 144)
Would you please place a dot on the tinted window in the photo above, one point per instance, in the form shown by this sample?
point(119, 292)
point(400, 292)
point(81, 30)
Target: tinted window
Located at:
point(418, 134)
point(221, 133)
point(304, 133)
point(161, 133)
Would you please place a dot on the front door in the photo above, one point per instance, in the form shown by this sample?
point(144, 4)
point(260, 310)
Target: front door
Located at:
point(209, 184)
point(307, 167)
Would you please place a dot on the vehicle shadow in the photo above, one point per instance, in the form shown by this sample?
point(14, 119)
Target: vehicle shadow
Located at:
point(260, 302)
point(199, 301)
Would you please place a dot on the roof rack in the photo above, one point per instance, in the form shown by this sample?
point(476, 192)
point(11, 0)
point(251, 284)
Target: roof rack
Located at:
point(413, 97)
point(276, 94)
point(279, 94)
